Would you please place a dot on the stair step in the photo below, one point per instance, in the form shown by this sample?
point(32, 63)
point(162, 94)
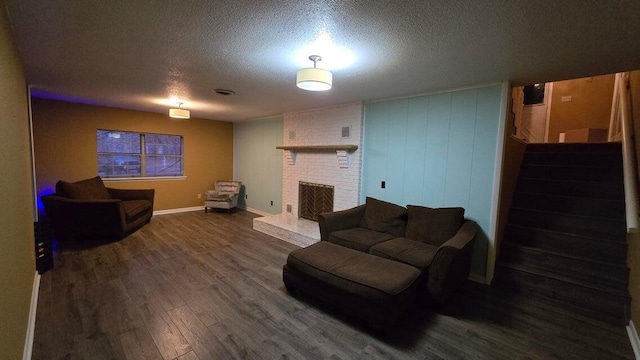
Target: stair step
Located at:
point(561, 172)
point(587, 189)
point(612, 304)
point(565, 240)
point(600, 273)
point(576, 148)
point(604, 208)
point(612, 230)
point(592, 248)
point(609, 159)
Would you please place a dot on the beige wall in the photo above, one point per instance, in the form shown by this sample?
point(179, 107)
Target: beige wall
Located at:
point(590, 105)
point(633, 255)
point(65, 148)
point(17, 263)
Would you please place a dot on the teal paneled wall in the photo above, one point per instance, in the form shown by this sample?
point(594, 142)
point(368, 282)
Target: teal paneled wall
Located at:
point(437, 151)
point(258, 164)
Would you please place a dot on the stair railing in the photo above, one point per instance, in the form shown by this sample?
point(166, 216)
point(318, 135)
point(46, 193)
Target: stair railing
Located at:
point(628, 153)
point(615, 122)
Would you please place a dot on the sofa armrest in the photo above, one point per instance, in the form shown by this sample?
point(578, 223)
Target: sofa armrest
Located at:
point(340, 220)
point(451, 265)
point(73, 216)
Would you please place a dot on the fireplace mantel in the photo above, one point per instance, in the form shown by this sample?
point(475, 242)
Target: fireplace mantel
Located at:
point(318, 147)
point(341, 151)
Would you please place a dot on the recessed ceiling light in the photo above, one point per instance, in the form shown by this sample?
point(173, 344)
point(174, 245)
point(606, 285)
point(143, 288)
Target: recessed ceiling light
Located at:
point(225, 92)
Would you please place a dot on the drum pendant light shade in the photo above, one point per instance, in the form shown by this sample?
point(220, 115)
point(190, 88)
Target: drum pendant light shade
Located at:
point(314, 79)
point(179, 113)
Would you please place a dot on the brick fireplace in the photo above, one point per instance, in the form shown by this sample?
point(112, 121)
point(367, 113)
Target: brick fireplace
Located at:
point(321, 146)
point(324, 127)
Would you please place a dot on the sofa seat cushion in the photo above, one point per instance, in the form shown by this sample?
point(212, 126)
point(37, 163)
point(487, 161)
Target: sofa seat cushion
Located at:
point(360, 239)
point(407, 251)
point(433, 226)
point(384, 217)
point(89, 189)
point(219, 197)
point(135, 208)
point(353, 271)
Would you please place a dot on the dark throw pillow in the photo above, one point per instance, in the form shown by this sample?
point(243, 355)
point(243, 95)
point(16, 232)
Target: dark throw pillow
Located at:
point(384, 217)
point(433, 226)
point(89, 189)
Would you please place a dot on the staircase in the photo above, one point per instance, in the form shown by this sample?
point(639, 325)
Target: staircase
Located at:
point(566, 235)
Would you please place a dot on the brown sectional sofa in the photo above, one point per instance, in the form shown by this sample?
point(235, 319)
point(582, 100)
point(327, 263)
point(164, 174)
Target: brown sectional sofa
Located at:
point(393, 255)
point(88, 209)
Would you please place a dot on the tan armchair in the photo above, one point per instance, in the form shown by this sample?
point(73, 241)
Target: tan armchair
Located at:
point(225, 195)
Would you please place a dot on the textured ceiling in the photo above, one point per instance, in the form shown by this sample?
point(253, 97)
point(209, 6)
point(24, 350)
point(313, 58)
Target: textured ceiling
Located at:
point(138, 54)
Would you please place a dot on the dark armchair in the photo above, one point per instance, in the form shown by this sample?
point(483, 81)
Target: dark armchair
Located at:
point(89, 209)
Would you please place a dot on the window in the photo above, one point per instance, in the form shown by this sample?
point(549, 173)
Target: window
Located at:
point(131, 154)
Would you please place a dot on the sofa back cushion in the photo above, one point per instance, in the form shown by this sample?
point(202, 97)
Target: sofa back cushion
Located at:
point(433, 226)
point(384, 217)
point(228, 187)
point(89, 189)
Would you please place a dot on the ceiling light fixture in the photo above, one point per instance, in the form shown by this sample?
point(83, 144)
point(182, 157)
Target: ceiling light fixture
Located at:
point(314, 79)
point(179, 113)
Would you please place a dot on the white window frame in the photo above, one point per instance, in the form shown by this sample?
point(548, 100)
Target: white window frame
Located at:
point(143, 159)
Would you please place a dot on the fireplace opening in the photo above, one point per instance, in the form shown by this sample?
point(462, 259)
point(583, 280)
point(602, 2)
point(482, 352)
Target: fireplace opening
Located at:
point(314, 199)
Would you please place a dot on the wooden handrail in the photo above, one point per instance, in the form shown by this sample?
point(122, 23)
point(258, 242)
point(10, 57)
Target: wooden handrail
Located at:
point(628, 156)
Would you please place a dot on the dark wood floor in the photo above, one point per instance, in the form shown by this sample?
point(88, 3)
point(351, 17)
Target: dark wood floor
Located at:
point(207, 286)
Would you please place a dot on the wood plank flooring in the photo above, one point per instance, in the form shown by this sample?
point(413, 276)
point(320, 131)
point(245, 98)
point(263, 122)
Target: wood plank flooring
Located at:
point(196, 286)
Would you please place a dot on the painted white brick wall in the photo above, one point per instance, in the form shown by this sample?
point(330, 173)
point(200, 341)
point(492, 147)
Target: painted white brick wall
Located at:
point(323, 127)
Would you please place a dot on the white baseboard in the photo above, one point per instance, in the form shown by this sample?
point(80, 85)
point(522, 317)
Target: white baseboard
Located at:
point(179, 210)
point(31, 325)
point(256, 211)
point(201, 208)
point(633, 337)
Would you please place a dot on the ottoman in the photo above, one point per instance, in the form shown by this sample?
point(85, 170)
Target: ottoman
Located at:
point(366, 286)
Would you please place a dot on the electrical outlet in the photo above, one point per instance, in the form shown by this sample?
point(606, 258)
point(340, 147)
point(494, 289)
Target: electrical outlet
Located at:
point(199, 196)
point(271, 202)
point(246, 196)
point(383, 184)
point(565, 98)
point(289, 208)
